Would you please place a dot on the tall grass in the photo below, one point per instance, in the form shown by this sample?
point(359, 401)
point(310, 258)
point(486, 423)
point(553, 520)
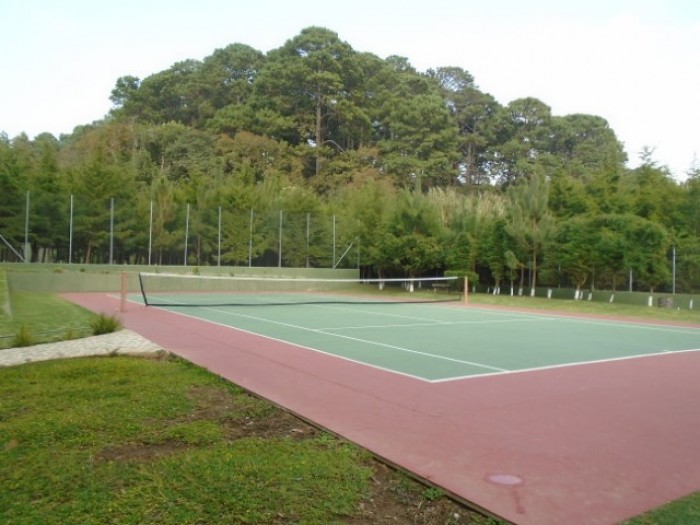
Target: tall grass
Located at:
point(105, 324)
point(23, 337)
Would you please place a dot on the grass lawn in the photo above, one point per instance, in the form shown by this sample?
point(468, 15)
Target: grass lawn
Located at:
point(160, 441)
point(45, 317)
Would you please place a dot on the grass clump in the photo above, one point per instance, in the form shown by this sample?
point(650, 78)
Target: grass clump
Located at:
point(23, 337)
point(70, 333)
point(105, 324)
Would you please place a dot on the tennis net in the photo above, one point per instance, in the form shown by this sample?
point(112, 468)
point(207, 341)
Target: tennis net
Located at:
point(166, 289)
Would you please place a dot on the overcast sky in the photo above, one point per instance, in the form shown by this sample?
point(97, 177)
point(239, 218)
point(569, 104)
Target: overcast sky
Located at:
point(635, 63)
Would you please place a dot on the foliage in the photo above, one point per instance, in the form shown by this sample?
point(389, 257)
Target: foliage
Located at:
point(530, 221)
point(574, 249)
point(413, 242)
point(329, 143)
point(432, 493)
point(105, 324)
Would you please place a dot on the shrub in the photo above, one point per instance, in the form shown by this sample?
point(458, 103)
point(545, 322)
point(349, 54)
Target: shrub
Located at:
point(105, 324)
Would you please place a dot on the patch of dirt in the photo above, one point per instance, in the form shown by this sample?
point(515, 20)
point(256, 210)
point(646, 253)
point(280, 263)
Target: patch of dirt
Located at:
point(139, 451)
point(245, 416)
point(395, 499)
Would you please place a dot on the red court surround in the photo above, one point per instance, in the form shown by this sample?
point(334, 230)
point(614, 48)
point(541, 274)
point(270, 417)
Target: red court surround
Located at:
point(590, 444)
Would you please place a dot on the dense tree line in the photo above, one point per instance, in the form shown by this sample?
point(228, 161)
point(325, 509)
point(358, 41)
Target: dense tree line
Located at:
point(418, 172)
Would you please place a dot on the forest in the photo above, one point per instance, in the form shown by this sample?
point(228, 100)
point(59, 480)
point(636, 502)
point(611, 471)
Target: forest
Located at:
point(314, 154)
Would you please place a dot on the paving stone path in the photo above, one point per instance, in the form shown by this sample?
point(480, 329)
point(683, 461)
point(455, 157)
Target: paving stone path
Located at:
point(120, 342)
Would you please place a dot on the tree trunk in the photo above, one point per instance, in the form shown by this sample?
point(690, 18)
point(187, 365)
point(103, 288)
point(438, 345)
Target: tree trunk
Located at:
point(88, 252)
point(319, 133)
point(522, 279)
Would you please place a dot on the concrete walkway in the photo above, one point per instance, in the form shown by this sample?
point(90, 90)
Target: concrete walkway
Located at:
point(121, 342)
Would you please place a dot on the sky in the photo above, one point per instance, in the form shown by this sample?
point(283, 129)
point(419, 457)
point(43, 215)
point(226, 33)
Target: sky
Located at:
point(635, 63)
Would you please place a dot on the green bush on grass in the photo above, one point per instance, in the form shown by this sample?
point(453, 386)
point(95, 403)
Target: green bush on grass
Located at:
point(105, 324)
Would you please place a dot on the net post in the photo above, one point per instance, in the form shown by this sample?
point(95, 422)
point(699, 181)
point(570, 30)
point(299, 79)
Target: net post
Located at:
point(122, 294)
point(466, 290)
point(143, 292)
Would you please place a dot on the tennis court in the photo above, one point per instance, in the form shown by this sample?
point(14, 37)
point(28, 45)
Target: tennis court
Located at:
point(538, 418)
point(432, 341)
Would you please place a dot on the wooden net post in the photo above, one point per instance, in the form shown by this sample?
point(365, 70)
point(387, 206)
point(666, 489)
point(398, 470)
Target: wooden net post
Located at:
point(466, 290)
point(122, 294)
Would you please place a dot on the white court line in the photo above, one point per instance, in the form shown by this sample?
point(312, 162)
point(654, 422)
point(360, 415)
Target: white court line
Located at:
point(526, 315)
point(357, 339)
point(496, 370)
point(376, 313)
point(565, 365)
point(428, 320)
point(436, 323)
point(541, 315)
point(297, 345)
point(636, 323)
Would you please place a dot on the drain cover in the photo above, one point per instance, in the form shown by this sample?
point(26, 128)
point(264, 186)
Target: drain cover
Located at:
point(508, 480)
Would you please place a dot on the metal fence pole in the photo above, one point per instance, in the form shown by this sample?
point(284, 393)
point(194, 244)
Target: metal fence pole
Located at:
point(674, 271)
point(250, 241)
point(308, 237)
point(187, 231)
point(630, 279)
point(27, 254)
point(70, 232)
point(218, 258)
point(150, 234)
point(279, 258)
point(111, 231)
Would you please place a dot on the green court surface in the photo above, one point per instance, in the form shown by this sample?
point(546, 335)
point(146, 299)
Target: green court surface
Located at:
point(444, 341)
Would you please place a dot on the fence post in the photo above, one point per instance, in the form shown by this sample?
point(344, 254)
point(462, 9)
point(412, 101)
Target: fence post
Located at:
point(27, 248)
point(150, 232)
point(187, 231)
point(218, 258)
point(279, 258)
point(70, 232)
point(111, 231)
